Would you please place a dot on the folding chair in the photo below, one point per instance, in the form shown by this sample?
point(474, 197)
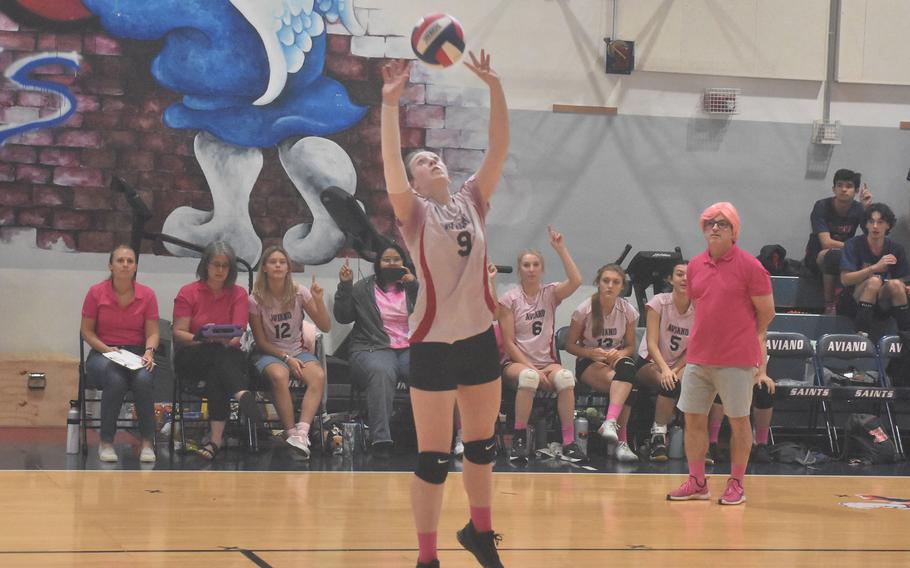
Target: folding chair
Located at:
point(890, 347)
point(791, 364)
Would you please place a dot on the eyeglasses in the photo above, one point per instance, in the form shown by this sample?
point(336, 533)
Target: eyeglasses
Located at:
point(220, 265)
point(720, 224)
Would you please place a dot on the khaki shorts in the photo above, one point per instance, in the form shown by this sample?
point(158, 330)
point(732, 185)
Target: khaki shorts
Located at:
point(701, 383)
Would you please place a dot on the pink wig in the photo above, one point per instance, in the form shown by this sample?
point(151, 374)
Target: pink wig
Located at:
point(729, 213)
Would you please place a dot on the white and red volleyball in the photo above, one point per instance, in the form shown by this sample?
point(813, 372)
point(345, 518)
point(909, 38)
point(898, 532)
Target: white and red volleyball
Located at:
point(438, 40)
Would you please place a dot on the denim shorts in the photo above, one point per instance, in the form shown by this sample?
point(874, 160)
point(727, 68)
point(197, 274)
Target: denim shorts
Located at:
point(261, 361)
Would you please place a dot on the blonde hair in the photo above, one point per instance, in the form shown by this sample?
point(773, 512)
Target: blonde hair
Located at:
point(597, 316)
point(535, 252)
point(283, 298)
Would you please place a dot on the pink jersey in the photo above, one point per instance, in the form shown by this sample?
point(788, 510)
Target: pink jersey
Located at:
point(393, 310)
point(725, 333)
point(115, 325)
point(199, 303)
point(283, 326)
point(673, 339)
point(454, 300)
point(535, 321)
point(615, 323)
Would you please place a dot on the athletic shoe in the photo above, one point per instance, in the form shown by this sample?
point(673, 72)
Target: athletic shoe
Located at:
point(624, 453)
point(609, 430)
point(147, 455)
point(107, 454)
point(734, 494)
point(481, 545)
point(690, 491)
point(659, 448)
point(432, 564)
point(761, 454)
point(573, 453)
point(299, 443)
point(519, 449)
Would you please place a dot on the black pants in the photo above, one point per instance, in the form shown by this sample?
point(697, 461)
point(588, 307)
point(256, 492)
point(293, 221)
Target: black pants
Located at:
point(222, 368)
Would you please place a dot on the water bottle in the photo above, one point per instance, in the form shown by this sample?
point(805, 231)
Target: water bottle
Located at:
point(581, 432)
point(677, 450)
point(349, 438)
point(72, 428)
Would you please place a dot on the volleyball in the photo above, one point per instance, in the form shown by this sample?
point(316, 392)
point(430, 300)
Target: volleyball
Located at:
point(438, 40)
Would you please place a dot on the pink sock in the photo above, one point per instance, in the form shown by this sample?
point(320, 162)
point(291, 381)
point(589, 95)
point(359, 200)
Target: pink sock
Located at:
point(697, 470)
point(613, 411)
point(761, 435)
point(568, 434)
point(623, 434)
point(427, 545)
point(482, 517)
point(303, 429)
point(521, 425)
point(738, 471)
point(714, 430)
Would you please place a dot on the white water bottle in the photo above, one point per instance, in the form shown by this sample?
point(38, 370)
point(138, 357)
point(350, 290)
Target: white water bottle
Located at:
point(72, 428)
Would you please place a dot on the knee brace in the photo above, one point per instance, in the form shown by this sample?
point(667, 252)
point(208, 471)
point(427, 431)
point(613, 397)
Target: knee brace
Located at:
point(625, 370)
point(433, 467)
point(761, 398)
point(481, 452)
point(671, 393)
point(831, 262)
point(528, 379)
point(563, 379)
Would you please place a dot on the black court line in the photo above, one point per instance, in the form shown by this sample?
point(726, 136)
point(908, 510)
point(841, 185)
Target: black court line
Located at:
point(249, 553)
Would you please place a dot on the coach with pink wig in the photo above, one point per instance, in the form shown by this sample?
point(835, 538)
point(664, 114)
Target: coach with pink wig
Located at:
point(732, 294)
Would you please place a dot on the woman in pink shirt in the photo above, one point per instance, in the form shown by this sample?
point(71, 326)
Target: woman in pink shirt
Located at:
point(527, 316)
point(378, 306)
point(214, 299)
point(277, 310)
point(120, 313)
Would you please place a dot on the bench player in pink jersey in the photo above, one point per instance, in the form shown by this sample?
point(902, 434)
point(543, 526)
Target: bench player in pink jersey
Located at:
point(453, 347)
point(602, 337)
point(527, 315)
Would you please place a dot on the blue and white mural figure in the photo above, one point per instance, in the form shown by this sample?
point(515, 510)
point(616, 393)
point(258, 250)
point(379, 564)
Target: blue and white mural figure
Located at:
point(251, 75)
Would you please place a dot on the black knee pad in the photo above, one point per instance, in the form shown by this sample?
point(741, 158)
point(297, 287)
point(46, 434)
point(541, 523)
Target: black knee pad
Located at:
point(433, 467)
point(671, 393)
point(761, 398)
point(481, 452)
point(831, 262)
point(625, 370)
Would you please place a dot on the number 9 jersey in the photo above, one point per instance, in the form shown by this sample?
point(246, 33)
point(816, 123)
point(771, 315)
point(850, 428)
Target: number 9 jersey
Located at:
point(449, 249)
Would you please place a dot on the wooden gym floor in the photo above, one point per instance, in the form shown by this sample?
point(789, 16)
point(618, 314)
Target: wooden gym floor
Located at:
point(334, 519)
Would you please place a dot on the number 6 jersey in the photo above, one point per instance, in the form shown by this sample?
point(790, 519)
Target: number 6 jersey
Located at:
point(534, 322)
point(449, 250)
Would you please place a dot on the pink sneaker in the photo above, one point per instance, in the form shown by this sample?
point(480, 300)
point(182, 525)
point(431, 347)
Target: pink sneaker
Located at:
point(690, 491)
point(734, 494)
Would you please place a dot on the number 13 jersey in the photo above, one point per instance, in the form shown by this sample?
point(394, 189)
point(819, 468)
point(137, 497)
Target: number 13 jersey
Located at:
point(449, 250)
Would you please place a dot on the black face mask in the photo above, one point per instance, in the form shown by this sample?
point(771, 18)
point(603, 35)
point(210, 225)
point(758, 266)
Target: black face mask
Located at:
point(392, 274)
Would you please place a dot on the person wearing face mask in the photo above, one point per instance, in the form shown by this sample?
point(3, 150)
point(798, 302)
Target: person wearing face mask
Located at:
point(527, 316)
point(120, 313)
point(378, 306)
point(277, 309)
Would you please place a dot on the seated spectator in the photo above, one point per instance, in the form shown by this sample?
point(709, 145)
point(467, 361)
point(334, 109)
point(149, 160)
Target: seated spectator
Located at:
point(120, 313)
point(214, 299)
point(527, 316)
point(602, 337)
point(277, 310)
point(379, 306)
point(872, 269)
point(834, 220)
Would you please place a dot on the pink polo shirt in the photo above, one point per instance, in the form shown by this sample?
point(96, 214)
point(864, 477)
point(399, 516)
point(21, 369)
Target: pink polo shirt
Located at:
point(115, 325)
point(197, 302)
point(725, 333)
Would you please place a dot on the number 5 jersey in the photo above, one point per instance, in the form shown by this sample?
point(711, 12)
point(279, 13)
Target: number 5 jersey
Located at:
point(674, 329)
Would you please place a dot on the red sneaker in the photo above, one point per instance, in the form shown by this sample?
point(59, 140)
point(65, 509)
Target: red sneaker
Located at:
point(690, 491)
point(734, 494)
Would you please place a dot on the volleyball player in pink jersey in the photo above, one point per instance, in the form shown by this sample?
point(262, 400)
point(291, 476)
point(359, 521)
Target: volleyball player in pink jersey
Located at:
point(602, 337)
point(527, 315)
point(734, 305)
point(453, 347)
point(277, 309)
point(662, 350)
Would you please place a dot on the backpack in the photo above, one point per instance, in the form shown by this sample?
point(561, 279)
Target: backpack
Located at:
point(774, 259)
point(865, 441)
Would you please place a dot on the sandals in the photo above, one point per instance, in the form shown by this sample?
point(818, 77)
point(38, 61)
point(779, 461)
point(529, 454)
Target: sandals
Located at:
point(208, 451)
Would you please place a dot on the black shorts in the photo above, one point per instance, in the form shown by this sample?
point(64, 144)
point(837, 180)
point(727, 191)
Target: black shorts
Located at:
point(581, 364)
point(445, 366)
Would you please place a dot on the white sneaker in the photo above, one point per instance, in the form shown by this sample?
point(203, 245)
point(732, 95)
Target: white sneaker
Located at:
point(107, 454)
point(299, 443)
point(609, 430)
point(624, 453)
point(147, 455)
